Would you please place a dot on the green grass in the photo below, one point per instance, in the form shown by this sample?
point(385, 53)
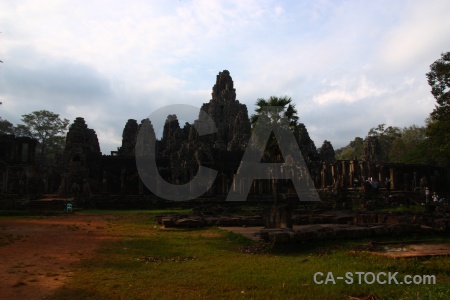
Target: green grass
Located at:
point(134, 212)
point(19, 214)
point(405, 208)
point(215, 268)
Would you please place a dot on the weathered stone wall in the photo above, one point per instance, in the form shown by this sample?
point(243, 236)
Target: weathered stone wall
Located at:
point(81, 159)
point(18, 165)
point(129, 136)
point(181, 150)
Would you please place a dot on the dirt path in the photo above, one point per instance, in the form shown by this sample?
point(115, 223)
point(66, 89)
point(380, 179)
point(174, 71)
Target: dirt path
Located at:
point(35, 254)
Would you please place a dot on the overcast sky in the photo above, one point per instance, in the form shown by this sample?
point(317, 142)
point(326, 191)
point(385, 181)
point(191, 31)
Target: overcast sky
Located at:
point(348, 65)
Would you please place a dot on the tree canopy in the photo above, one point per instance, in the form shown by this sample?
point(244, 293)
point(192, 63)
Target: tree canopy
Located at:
point(439, 80)
point(282, 108)
point(6, 127)
point(354, 150)
point(45, 126)
point(438, 129)
point(287, 110)
point(397, 145)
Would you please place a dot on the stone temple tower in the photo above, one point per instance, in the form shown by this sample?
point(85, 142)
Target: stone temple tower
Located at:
point(230, 116)
point(81, 156)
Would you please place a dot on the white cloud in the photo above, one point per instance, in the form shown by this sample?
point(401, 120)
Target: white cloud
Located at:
point(349, 90)
point(417, 36)
point(109, 61)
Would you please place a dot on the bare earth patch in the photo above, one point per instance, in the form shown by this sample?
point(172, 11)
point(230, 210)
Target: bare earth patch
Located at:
point(414, 250)
point(248, 232)
point(35, 254)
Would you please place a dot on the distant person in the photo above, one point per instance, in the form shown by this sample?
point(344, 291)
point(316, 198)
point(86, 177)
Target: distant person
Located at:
point(367, 186)
point(375, 184)
point(388, 184)
point(427, 195)
point(435, 198)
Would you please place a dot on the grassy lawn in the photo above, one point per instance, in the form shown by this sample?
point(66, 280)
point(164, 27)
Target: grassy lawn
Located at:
point(154, 263)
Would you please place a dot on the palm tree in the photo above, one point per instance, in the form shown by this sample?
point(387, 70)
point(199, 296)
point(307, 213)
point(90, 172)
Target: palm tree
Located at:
point(288, 112)
point(281, 109)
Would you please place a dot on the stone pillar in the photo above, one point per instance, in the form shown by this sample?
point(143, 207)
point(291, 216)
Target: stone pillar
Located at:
point(275, 190)
point(414, 182)
point(362, 169)
point(5, 180)
point(323, 174)
point(45, 184)
point(122, 180)
point(344, 177)
point(381, 174)
point(105, 183)
point(369, 170)
point(64, 183)
point(252, 187)
point(241, 185)
point(190, 182)
point(393, 178)
point(351, 173)
point(279, 216)
point(261, 186)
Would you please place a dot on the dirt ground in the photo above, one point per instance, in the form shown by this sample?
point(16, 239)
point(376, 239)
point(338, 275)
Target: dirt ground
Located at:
point(36, 253)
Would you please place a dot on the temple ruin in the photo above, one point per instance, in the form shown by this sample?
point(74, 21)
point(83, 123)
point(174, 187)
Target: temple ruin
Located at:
point(180, 151)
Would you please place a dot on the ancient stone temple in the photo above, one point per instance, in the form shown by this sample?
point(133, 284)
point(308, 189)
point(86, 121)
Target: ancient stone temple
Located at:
point(129, 138)
point(17, 164)
point(230, 116)
point(326, 152)
point(81, 157)
point(372, 150)
point(306, 145)
point(180, 151)
point(171, 154)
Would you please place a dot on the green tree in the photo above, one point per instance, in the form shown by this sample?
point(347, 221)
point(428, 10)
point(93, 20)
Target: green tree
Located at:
point(439, 80)
point(405, 145)
point(438, 129)
point(45, 126)
point(397, 151)
point(411, 137)
point(420, 154)
point(286, 109)
point(386, 136)
point(354, 150)
point(327, 152)
point(6, 127)
point(438, 132)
